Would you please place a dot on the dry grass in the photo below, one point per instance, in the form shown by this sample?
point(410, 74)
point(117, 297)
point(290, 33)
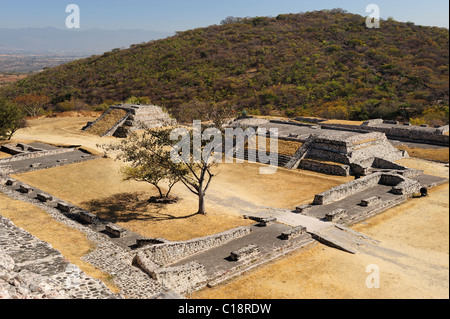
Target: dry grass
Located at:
point(4, 155)
point(10, 78)
point(430, 168)
point(72, 243)
point(97, 186)
point(343, 122)
point(61, 131)
point(284, 147)
point(107, 122)
point(439, 155)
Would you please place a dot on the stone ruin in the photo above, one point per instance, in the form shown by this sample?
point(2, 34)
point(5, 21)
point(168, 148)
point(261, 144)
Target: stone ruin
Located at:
point(120, 120)
point(344, 155)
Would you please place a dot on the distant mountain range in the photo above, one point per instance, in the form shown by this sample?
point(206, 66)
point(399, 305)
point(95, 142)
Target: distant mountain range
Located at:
point(71, 42)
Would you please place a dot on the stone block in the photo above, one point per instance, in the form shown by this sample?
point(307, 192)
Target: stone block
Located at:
point(10, 182)
point(303, 209)
point(336, 215)
point(115, 231)
point(244, 253)
point(293, 233)
point(44, 197)
point(263, 221)
point(64, 207)
point(88, 218)
point(370, 201)
point(143, 242)
point(25, 189)
point(267, 221)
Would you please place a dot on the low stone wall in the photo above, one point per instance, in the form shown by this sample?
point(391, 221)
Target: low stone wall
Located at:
point(168, 253)
point(23, 156)
point(182, 279)
point(401, 185)
point(410, 133)
point(350, 188)
point(33, 269)
point(310, 120)
point(326, 168)
point(384, 164)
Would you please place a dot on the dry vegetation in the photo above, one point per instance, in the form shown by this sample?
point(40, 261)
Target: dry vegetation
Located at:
point(343, 122)
point(100, 189)
point(438, 155)
point(4, 155)
point(10, 78)
point(284, 147)
point(107, 122)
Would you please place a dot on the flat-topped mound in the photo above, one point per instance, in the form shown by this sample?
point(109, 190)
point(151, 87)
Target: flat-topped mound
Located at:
point(106, 122)
point(120, 120)
point(349, 152)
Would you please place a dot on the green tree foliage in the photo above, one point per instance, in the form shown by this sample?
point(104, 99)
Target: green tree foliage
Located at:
point(12, 118)
point(148, 157)
point(293, 64)
point(151, 159)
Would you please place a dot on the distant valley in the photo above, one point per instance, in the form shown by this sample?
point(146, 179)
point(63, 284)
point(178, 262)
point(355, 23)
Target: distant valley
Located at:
point(33, 49)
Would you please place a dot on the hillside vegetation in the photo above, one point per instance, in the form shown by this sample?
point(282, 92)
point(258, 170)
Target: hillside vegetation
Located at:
point(322, 63)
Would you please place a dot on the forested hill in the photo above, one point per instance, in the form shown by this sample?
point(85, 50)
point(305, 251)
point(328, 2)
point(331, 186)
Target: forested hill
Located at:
point(323, 63)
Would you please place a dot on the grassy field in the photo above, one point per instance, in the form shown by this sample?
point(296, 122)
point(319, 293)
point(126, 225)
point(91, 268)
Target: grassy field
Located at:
point(284, 147)
point(438, 155)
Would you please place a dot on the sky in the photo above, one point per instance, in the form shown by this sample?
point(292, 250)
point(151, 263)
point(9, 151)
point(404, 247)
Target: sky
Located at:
point(181, 15)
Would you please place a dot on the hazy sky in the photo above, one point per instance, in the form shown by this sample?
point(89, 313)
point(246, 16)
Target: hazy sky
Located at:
point(179, 15)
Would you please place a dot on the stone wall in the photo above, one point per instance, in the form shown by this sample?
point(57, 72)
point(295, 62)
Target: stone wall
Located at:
point(37, 154)
point(350, 188)
point(409, 133)
point(326, 168)
point(168, 253)
point(401, 185)
point(182, 279)
point(33, 269)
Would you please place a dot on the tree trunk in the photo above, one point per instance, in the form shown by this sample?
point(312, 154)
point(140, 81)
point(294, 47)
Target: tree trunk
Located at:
point(159, 190)
point(201, 203)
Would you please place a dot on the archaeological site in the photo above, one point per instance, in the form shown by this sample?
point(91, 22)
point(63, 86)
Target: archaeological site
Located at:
point(363, 158)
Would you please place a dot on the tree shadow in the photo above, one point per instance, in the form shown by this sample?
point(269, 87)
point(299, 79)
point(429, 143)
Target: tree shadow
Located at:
point(127, 207)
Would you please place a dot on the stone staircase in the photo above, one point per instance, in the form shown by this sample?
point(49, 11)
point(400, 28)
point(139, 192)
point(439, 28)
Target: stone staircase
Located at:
point(243, 154)
point(134, 117)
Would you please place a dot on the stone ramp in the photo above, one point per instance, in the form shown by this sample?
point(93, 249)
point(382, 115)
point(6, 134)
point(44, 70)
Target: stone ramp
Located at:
point(105, 122)
point(343, 238)
point(328, 233)
point(120, 120)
